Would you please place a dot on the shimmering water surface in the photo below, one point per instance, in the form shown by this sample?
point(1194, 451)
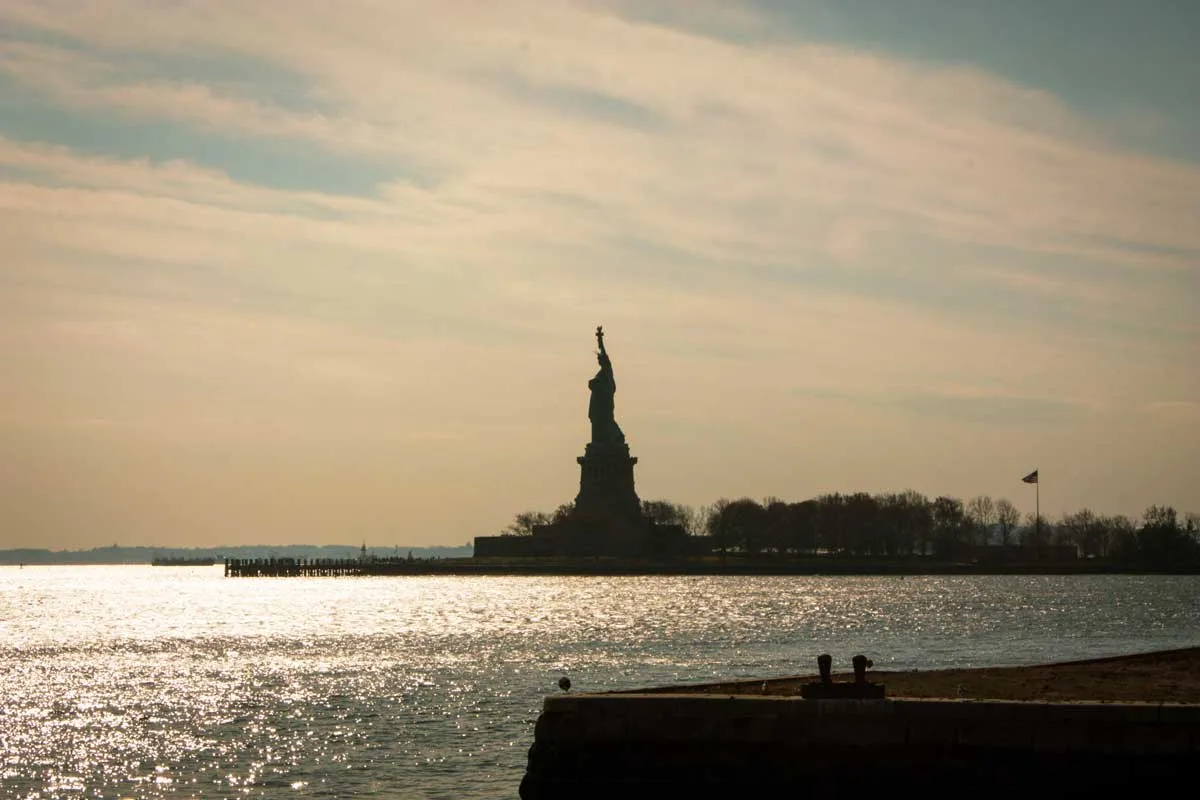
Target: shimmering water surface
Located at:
point(177, 682)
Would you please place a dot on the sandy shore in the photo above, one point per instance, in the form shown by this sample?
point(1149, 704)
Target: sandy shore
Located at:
point(1169, 676)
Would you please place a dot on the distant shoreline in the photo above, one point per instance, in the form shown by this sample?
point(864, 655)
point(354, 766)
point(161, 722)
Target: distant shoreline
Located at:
point(145, 554)
point(550, 567)
point(397, 566)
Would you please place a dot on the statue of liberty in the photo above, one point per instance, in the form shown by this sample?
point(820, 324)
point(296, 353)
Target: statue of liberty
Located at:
point(605, 429)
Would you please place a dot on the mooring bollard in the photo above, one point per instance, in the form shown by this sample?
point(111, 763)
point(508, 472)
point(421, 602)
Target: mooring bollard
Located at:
point(828, 689)
point(825, 665)
point(861, 664)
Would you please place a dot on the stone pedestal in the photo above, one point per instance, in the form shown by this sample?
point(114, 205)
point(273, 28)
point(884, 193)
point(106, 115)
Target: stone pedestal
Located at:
point(606, 482)
point(607, 519)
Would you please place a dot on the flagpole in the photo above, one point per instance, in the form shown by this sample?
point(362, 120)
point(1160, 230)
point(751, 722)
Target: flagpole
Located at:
point(1037, 506)
point(1034, 478)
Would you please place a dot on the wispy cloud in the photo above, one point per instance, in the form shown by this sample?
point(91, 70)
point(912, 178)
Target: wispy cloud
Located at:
point(949, 153)
point(754, 208)
point(960, 404)
point(1179, 410)
point(799, 157)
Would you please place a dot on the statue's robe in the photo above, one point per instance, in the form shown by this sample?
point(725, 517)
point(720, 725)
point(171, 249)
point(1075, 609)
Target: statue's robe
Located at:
point(600, 407)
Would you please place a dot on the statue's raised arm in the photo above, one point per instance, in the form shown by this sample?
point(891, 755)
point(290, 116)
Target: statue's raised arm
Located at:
point(600, 342)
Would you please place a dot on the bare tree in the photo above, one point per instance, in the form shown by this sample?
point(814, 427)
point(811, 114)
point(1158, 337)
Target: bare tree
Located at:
point(523, 523)
point(1086, 531)
point(745, 521)
point(1037, 531)
point(950, 526)
point(1163, 541)
point(1122, 537)
point(1007, 518)
point(665, 512)
point(777, 523)
point(802, 526)
point(982, 513)
point(717, 526)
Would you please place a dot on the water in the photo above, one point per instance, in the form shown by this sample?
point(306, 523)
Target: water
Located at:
point(176, 682)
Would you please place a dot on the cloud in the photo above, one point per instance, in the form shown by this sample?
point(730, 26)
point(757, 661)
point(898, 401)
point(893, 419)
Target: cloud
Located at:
point(948, 153)
point(568, 147)
point(997, 409)
point(959, 404)
point(1174, 410)
point(745, 212)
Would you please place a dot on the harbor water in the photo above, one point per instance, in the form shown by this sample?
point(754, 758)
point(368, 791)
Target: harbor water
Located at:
point(139, 681)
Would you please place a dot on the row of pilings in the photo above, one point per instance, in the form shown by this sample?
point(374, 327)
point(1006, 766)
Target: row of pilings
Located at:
point(319, 567)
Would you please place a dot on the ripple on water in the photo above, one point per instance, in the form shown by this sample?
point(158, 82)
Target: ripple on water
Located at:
point(178, 683)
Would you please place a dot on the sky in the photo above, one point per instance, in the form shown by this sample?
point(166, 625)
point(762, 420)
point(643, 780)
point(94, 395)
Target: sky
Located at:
point(314, 272)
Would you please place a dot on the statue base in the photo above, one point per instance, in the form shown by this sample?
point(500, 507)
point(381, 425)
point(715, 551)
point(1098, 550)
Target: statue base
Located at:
point(606, 482)
point(606, 521)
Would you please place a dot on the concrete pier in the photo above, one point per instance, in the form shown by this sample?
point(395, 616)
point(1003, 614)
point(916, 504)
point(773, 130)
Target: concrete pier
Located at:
point(695, 745)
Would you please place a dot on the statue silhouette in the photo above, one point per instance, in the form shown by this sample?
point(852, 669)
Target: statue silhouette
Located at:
point(603, 386)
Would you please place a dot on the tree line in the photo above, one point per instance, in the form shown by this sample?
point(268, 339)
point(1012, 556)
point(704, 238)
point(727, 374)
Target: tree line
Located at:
point(906, 524)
